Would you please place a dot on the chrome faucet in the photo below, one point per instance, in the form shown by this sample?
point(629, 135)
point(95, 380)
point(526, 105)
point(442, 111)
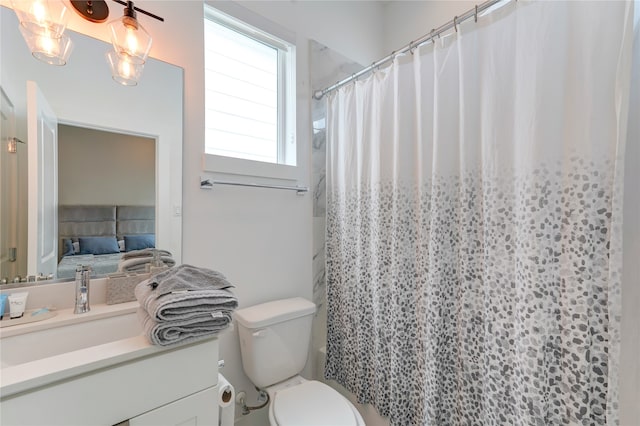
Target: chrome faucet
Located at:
point(83, 277)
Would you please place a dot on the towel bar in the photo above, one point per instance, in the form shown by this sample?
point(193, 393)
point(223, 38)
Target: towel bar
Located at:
point(207, 183)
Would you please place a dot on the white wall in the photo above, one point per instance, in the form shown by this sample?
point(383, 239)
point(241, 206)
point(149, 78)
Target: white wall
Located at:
point(406, 21)
point(354, 29)
point(125, 174)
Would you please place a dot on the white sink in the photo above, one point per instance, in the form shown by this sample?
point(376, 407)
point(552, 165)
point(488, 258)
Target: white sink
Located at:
point(68, 344)
point(67, 332)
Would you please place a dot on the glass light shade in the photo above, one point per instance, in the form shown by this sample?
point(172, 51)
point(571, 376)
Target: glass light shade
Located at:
point(130, 40)
point(48, 49)
point(123, 70)
point(48, 17)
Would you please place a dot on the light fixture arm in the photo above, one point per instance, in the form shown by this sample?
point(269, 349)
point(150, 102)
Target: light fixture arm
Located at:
point(131, 9)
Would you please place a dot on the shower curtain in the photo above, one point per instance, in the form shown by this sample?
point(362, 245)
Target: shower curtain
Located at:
point(474, 221)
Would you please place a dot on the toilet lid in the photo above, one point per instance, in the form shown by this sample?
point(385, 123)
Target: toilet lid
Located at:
point(312, 403)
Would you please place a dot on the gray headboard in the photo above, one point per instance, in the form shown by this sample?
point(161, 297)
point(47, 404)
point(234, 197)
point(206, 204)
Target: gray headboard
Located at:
point(133, 220)
point(95, 221)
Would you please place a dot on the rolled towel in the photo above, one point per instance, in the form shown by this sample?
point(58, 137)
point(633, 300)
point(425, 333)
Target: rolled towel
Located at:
point(164, 333)
point(138, 264)
point(148, 252)
point(185, 294)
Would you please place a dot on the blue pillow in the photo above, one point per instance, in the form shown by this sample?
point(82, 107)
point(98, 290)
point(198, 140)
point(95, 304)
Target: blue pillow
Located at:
point(139, 242)
point(67, 245)
point(98, 245)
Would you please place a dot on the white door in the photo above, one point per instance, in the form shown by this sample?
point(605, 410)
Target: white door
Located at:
point(8, 190)
point(42, 148)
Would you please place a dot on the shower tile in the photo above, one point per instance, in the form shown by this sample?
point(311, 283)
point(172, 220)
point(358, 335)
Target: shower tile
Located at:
point(327, 67)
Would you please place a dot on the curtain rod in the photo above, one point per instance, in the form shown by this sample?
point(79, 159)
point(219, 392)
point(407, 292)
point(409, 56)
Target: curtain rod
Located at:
point(318, 94)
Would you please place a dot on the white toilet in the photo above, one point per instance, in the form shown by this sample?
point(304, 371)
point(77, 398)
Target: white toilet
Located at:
point(274, 341)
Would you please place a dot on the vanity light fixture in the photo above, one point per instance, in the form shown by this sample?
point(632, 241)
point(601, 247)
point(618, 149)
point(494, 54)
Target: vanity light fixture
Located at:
point(42, 24)
point(51, 50)
point(130, 39)
point(45, 17)
point(131, 45)
point(123, 70)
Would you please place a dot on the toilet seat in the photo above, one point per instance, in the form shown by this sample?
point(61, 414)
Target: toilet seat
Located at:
point(312, 403)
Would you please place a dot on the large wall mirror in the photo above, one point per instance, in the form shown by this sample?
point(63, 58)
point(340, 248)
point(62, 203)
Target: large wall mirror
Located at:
point(90, 105)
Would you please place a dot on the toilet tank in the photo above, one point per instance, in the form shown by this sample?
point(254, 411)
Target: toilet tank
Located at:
point(274, 339)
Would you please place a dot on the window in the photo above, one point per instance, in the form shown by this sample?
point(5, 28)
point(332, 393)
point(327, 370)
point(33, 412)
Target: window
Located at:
point(249, 96)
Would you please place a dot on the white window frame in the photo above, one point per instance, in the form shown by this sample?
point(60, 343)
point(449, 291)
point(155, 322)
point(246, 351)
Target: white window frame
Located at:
point(286, 167)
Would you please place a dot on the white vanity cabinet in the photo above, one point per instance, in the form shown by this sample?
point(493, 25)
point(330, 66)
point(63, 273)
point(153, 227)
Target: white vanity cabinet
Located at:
point(194, 410)
point(112, 383)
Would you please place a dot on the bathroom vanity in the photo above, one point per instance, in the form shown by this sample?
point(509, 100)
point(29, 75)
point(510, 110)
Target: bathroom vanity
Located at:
point(97, 369)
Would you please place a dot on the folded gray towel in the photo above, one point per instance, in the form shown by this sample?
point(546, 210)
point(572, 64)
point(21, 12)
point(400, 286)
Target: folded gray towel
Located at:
point(188, 278)
point(164, 333)
point(148, 252)
point(138, 264)
point(184, 305)
point(177, 299)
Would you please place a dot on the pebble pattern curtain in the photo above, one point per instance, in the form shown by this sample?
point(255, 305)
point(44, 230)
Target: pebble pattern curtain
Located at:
point(474, 221)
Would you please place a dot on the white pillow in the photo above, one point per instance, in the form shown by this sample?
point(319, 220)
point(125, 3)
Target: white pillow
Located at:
point(121, 245)
point(76, 247)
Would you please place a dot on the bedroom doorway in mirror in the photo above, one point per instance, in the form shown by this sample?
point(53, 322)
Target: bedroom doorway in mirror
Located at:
point(107, 193)
point(74, 181)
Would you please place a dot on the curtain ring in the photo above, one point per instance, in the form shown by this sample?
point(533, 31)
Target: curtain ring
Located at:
point(432, 31)
point(373, 67)
point(411, 47)
point(475, 15)
point(455, 25)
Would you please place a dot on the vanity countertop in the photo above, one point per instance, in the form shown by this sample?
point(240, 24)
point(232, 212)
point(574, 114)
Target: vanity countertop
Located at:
point(66, 316)
point(68, 345)
point(24, 376)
